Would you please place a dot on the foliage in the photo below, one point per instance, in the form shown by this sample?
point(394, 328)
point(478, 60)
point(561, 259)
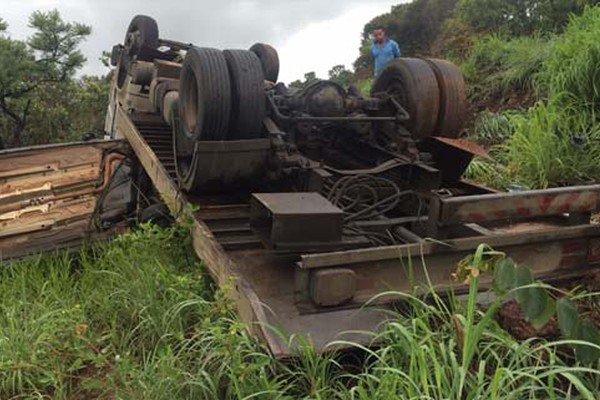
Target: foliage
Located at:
point(537, 301)
point(519, 17)
point(139, 318)
point(364, 86)
point(340, 75)
point(309, 78)
point(448, 28)
point(50, 55)
point(572, 75)
point(497, 67)
point(557, 141)
point(56, 44)
point(414, 25)
point(491, 128)
point(551, 148)
point(455, 40)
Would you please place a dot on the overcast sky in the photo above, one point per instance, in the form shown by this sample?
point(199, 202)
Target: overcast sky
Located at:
point(310, 35)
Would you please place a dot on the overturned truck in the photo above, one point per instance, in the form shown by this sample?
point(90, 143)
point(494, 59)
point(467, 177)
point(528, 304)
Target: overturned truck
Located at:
point(318, 207)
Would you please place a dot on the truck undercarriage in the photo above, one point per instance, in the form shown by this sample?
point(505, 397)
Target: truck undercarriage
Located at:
point(318, 207)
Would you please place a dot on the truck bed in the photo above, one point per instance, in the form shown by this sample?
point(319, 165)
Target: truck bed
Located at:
point(269, 289)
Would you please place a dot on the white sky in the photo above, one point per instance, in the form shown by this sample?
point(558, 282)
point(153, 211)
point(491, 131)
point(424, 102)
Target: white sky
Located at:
point(310, 35)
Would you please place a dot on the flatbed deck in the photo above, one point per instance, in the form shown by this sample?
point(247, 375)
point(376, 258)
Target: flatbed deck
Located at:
point(269, 289)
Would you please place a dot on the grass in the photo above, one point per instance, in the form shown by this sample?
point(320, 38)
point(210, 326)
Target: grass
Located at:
point(139, 318)
point(571, 74)
point(497, 67)
point(557, 141)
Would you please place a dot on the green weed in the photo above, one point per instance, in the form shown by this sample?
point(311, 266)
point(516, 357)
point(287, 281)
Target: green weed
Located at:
point(497, 67)
point(138, 318)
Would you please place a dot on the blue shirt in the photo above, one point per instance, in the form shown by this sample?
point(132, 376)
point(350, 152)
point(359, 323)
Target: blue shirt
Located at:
point(384, 53)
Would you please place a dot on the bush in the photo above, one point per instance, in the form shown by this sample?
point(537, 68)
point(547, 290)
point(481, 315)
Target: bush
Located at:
point(497, 67)
point(491, 128)
point(551, 148)
point(572, 74)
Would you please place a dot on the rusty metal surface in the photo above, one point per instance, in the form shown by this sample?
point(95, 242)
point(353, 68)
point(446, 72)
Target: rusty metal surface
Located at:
point(519, 205)
point(550, 252)
point(465, 145)
point(272, 291)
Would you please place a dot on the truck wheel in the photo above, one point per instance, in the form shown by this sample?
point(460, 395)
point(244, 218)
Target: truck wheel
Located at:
point(413, 84)
point(247, 94)
point(268, 59)
point(142, 32)
point(453, 98)
point(205, 95)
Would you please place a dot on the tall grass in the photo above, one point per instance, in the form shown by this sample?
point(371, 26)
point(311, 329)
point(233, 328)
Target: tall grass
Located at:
point(572, 73)
point(557, 141)
point(497, 66)
point(139, 319)
point(552, 148)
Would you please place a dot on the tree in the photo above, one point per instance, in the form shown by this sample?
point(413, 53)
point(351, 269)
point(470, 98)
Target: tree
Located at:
point(520, 17)
point(309, 78)
point(49, 56)
point(414, 25)
point(340, 75)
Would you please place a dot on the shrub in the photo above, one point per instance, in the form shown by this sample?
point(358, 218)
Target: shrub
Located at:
point(572, 74)
point(497, 67)
point(552, 148)
point(492, 128)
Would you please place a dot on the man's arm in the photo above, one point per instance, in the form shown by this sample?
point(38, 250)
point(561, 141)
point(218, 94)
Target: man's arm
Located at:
point(395, 49)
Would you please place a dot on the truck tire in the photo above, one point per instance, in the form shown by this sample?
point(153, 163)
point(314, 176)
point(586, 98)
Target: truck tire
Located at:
point(453, 98)
point(204, 95)
point(142, 32)
point(413, 84)
point(247, 94)
point(268, 59)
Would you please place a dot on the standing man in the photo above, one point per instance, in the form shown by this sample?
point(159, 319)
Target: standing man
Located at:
point(383, 49)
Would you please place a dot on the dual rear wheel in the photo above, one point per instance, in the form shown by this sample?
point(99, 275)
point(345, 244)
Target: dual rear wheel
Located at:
point(432, 91)
point(221, 98)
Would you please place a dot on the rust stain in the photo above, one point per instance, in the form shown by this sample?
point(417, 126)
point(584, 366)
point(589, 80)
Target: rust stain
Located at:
point(466, 146)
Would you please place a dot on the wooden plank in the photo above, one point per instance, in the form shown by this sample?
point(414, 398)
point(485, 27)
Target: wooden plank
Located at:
point(77, 177)
point(49, 160)
point(45, 216)
point(69, 237)
point(152, 165)
point(48, 193)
